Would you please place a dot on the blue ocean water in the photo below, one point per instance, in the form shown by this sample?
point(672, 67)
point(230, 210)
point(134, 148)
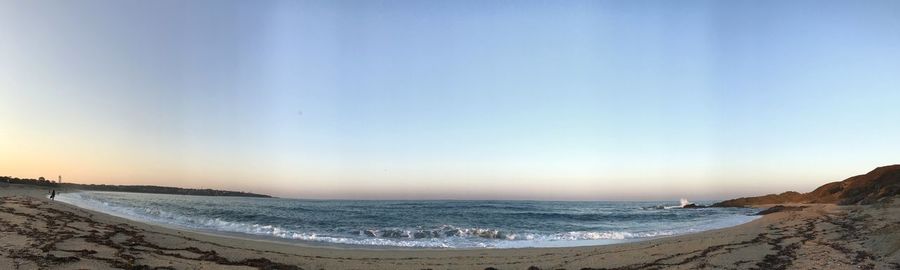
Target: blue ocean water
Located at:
point(426, 224)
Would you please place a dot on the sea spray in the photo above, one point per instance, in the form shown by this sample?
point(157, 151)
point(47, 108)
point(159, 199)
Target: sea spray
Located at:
point(684, 202)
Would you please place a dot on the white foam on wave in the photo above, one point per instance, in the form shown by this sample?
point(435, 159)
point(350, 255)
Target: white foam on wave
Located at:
point(683, 202)
point(466, 238)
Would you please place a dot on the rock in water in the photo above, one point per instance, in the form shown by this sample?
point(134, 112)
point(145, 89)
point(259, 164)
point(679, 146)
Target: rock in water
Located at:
point(693, 205)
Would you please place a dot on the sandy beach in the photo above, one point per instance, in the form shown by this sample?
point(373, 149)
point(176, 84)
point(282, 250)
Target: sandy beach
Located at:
point(36, 233)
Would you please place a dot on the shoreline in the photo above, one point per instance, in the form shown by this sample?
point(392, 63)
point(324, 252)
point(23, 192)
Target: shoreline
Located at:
point(517, 244)
point(42, 234)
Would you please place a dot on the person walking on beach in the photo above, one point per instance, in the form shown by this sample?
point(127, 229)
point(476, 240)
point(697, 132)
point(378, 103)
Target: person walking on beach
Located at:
point(53, 195)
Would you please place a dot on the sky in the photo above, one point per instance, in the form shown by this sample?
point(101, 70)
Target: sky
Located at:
point(545, 100)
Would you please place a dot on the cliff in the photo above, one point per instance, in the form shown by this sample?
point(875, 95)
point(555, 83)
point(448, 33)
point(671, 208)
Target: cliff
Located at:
point(883, 182)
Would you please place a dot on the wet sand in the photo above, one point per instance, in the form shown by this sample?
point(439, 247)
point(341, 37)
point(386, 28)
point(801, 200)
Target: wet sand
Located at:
point(36, 233)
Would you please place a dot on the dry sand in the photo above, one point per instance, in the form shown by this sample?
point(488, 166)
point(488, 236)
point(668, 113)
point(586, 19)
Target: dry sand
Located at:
point(36, 233)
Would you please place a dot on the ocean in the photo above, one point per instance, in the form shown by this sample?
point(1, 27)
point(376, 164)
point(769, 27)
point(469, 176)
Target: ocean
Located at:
point(416, 224)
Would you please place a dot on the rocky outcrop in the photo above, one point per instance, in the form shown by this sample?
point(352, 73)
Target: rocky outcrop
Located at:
point(786, 197)
point(883, 182)
point(880, 183)
point(780, 208)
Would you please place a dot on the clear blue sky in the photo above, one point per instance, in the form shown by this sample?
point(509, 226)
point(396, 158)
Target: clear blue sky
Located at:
point(452, 99)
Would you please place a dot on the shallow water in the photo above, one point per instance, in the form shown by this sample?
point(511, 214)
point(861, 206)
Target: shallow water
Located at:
point(426, 224)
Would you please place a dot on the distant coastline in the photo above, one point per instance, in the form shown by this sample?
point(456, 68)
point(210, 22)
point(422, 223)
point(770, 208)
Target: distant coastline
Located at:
point(131, 188)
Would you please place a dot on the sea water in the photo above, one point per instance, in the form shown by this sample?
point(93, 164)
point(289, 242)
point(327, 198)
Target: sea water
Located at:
point(416, 224)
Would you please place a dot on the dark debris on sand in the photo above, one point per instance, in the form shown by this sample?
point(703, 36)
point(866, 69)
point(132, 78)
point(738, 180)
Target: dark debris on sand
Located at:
point(58, 229)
